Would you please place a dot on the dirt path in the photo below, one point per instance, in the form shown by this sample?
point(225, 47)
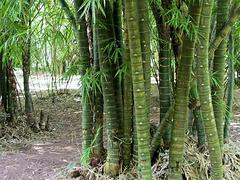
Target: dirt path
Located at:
point(55, 151)
point(40, 162)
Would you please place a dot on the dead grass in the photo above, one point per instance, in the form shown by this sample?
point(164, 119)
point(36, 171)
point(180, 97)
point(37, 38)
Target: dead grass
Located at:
point(196, 165)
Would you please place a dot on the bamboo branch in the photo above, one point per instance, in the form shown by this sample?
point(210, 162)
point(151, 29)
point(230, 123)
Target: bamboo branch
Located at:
point(224, 32)
point(69, 14)
point(166, 121)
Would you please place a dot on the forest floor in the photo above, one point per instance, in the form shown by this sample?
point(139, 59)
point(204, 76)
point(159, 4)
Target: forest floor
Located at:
point(45, 155)
point(52, 155)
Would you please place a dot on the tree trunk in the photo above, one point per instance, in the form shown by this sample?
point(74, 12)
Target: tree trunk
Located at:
point(12, 93)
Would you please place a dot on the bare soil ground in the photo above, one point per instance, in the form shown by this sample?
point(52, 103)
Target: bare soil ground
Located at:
point(52, 155)
point(45, 155)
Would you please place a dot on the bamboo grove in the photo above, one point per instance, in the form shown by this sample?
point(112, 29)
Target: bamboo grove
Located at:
point(188, 47)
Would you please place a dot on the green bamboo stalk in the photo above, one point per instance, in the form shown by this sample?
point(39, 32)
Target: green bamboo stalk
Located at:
point(180, 116)
point(117, 23)
point(219, 70)
point(204, 89)
point(105, 34)
point(26, 65)
point(135, 142)
point(230, 88)
point(127, 103)
point(165, 94)
point(145, 46)
point(80, 32)
point(84, 57)
point(139, 91)
point(117, 26)
point(98, 149)
point(198, 119)
point(98, 103)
